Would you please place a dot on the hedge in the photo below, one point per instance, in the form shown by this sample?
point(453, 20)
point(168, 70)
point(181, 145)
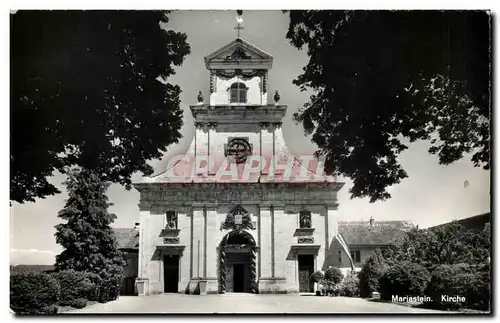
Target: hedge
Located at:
point(40, 293)
point(33, 293)
point(74, 285)
point(403, 279)
point(463, 280)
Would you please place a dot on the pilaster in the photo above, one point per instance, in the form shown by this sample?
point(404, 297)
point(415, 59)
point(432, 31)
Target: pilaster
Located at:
point(211, 234)
point(197, 241)
point(265, 242)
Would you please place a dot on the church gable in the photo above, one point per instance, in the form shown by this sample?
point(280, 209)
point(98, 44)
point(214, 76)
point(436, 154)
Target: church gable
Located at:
point(239, 51)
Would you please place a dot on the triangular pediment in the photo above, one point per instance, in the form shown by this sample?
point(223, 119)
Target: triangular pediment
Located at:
point(238, 51)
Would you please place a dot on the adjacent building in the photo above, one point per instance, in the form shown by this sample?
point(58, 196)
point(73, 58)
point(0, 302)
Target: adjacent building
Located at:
point(363, 238)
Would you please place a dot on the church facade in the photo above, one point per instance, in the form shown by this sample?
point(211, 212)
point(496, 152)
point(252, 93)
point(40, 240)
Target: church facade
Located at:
point(237, 213)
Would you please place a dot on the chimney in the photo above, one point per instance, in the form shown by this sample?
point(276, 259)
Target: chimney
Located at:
point(372, 220)
point(136, 226)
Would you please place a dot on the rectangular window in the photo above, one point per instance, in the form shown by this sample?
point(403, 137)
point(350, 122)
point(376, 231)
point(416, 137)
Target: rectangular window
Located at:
point(242, 96)
point(234, 96)
point(171, 220)
point(340, 256)
point(356, 255)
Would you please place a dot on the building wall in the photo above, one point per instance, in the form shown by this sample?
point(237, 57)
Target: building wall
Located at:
point(130, 272)
point(131, 269)
point(201, 259)
point(255, 95)
point(344, 264)
point(209, 147)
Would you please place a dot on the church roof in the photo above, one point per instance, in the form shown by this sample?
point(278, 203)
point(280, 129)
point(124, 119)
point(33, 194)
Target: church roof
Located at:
point(241, 51)
point(380, 233)
point(127, 238)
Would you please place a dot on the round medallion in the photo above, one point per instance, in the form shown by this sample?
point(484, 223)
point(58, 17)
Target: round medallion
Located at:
point(239, 149)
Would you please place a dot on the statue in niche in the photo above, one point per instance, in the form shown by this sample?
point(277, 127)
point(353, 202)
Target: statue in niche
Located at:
point(305, 219)
point(171, 220)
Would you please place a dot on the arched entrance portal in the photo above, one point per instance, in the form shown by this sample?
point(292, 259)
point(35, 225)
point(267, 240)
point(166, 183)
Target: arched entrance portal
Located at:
point(238, 263)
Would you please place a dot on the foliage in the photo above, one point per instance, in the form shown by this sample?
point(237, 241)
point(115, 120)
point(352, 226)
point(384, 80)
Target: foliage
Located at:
point(317, 276)
point(461, 280)
point(349, 286)
point(446, 244)
point(404, 279)
point(74, 285)
point(372, 269)
point(381, 78)
point(33, 293)
point(109, 289)
point(79, 303)
point(480, 290)
point(333, 275)
point(87, 237)
point(86, 91)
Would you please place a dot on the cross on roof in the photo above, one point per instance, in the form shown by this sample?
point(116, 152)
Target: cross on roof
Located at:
point(239, 27)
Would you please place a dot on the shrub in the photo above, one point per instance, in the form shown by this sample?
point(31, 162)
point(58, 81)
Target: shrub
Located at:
point(317, 277)
point(371, 271)
point(96, 282)
point(79, 303)
point(109, 289)
point(74, 285)
point(462, 280)
point(33, 293)
point(403, 279)
point(333, 275)
point(479, 296)
point(349, 287)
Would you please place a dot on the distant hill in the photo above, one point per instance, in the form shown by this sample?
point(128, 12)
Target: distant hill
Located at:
point(30, 268)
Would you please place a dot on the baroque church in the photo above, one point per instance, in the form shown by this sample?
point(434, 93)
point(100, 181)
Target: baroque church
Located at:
point(237, 213)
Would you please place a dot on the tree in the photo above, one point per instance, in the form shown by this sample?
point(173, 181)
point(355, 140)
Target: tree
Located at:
point(443, 245)
point(87, 237)
point(89, 89)
point(456, 244)
point(381, 77)
point(372, 269)
point(405, 278)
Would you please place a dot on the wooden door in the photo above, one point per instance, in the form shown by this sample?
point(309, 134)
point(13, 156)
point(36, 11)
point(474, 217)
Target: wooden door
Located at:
point(306, 268)
point(304, 281)
point(171, 273)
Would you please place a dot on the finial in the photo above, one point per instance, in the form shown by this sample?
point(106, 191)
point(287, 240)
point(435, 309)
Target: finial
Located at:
point(277, 96)
point(200, 98)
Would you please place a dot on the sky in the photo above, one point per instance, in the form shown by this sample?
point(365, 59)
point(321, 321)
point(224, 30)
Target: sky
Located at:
point(432, 194)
